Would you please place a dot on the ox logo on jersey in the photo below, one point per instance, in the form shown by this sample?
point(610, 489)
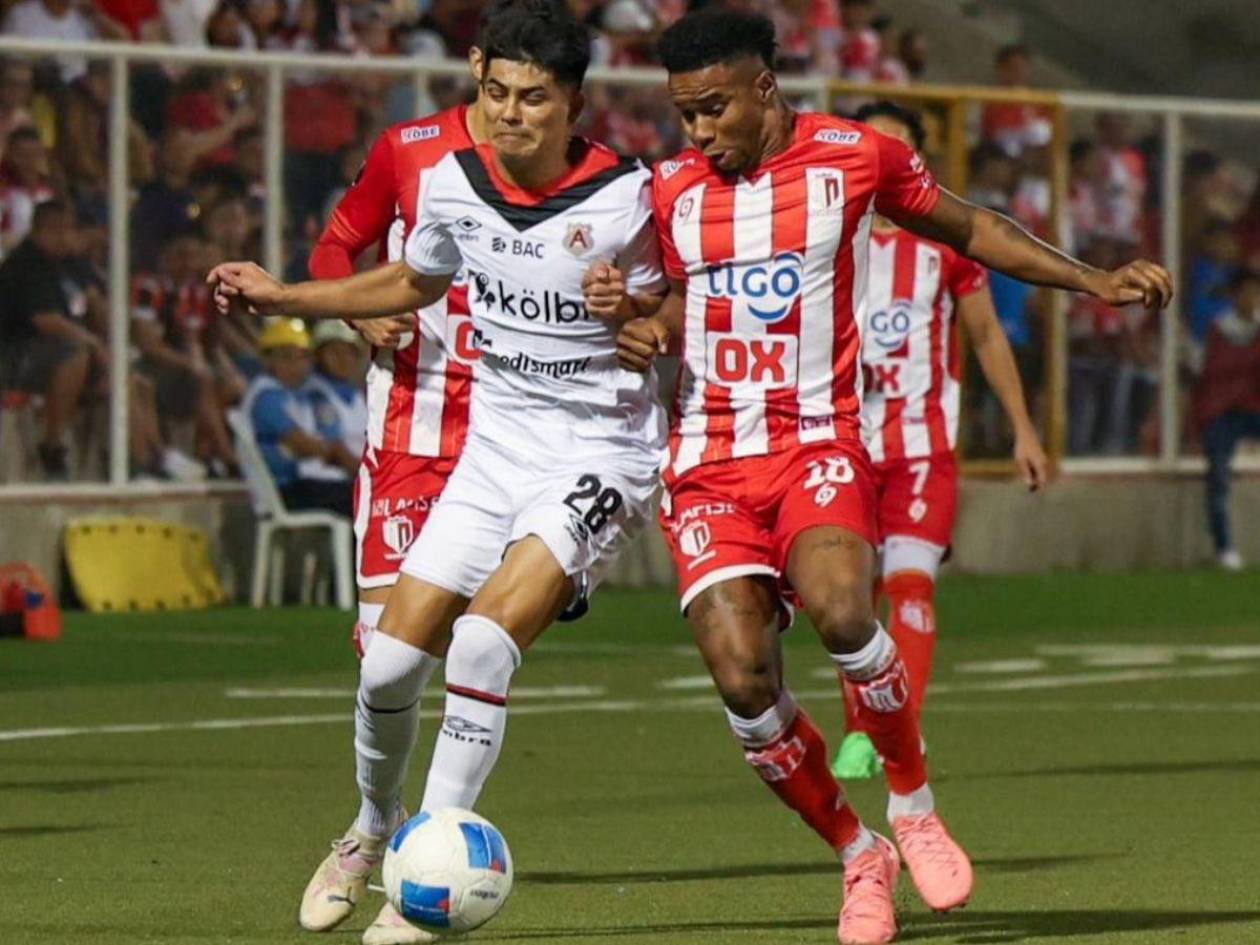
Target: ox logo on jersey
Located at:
point(883, 378)
point(835, 136)
point(412, 135)
point(890, 327)
point(770, 290)
point(764, 361)
point(578, 239)
point(399, 532)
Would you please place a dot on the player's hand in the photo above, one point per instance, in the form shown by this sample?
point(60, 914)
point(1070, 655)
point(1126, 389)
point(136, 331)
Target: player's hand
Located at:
point(385, 332)
point(639, 341)
point(1031, 461)
point(604, 289)
point(1138, 281)
point(248, 287)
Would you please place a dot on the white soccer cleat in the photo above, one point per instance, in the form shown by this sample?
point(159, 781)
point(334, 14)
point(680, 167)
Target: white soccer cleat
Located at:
point(1230, 560)
point(390, 928)
point(341, 881)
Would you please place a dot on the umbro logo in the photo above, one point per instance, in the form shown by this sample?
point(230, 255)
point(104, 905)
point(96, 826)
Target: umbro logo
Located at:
point(458, 723)
point(468, 224)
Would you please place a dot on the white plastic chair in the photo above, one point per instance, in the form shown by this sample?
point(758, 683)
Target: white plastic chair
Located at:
point(274, 518)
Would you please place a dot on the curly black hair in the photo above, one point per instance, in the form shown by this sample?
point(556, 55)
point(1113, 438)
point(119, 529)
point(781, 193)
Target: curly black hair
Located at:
point(907, 116)
point(714, 35)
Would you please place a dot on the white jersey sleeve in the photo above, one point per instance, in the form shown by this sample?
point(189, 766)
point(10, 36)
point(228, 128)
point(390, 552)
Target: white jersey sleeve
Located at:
point(640, 260)
point(431, 249)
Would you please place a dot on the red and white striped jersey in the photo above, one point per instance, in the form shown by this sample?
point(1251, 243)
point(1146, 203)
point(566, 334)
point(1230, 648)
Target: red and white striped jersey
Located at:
point(418, 393)
point(775, 271)
point(910, 356)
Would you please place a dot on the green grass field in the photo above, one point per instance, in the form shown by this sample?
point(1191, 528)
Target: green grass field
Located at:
point(1095, 743)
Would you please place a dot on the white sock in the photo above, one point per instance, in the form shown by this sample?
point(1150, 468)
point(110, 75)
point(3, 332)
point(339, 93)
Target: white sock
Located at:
point(767, 727)
point(859, 845)
point(369, 620)
point(867, 663)
point(479, 668)
point(387, 713)
point(915, 804)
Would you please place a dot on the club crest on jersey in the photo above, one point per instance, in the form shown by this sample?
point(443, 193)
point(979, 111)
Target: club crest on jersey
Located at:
point(579, 239)
point(412, 135)
point(399, 532)
point(836, 136)
point(890, 327)
point(769, 289)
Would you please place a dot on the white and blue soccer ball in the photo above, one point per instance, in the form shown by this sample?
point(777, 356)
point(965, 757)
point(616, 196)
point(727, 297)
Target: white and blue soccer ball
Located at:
point(448, 871)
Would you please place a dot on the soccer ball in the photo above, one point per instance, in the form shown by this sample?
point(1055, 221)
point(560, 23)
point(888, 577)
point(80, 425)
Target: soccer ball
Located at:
point(448, 871)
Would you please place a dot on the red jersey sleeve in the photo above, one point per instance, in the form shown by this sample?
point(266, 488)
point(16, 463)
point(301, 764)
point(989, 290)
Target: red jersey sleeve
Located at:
point(662, 210)
point(362, 218)
point(904, 187)
point(966, 276)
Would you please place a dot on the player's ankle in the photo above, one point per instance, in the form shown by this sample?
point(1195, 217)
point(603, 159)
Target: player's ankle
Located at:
point(917, 803)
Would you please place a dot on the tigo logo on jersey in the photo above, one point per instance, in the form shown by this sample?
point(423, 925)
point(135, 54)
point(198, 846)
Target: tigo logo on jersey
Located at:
point(770, 290)
point(412, 135)
point(836, 136)
point(891, 326)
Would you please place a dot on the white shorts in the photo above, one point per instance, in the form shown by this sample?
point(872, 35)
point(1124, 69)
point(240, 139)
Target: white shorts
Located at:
point(584, 511)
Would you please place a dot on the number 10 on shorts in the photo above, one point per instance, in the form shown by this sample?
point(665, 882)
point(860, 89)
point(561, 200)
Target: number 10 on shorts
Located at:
point(825, 476)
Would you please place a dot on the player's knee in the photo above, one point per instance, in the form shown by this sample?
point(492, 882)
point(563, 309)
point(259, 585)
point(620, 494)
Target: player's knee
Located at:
point(393, 673)
point(845, 618)
point(748, 683)
point(482, 655)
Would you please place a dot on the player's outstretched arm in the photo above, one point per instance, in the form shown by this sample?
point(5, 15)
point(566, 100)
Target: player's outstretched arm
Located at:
point(386, 290)
point(1000, 243)
point(997, 361)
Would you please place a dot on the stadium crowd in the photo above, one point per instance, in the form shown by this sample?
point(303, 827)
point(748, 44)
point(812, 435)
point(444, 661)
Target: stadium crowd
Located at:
point(196, 171)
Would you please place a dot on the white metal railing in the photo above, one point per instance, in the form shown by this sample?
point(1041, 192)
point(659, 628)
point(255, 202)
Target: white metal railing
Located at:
point(277, 66)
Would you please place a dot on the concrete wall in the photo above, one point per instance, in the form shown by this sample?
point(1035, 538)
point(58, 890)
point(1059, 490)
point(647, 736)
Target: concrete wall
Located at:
point(1095, 524)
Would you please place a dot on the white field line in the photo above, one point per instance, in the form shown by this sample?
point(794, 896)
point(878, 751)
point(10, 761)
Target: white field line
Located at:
point(1149, 653)
point(1000, 667)
point(706, 703)
point(298, 692)
point(1069, 680)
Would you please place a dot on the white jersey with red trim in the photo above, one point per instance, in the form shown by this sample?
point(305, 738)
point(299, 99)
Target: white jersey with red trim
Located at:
point(775, 271)
point(548, 381)
point(910, 359)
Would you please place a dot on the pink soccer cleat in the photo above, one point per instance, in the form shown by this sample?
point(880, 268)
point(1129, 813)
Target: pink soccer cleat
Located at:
point(940, 869)
point(867, 916)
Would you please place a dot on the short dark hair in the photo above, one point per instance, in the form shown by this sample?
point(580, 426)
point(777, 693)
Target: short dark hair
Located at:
point(1080, 149)
point(25, 133)
point(714, 36)
point(541, 32)
point(907, 116)
point(46, 210)
point(1008, 52)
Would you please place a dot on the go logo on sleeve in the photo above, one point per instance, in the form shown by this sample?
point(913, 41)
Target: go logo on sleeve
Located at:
point(769, 289)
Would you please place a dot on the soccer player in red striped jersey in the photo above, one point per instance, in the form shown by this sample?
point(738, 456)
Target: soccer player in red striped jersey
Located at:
point(917, 291)
point(765, 227)
point(420, 373)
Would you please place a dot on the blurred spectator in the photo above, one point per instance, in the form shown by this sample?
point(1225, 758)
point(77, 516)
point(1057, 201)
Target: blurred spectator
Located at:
point(83, 138)
point(1016, 306)
point(1086, 176)
point(336, 385)
point(1227, 401)
point(993, 177)
point(265, 19)
point(227, 28)
point(625, 36)
point(54, 19)
point(47, 349)
point(17, 84)
point(1249, 229)
point(447, 28)
point(1012, 126)
point(177, 338)
point(1125, 180)
point(906, 61)
point(25, 182)
point(860, 53)
point(185, 21)
point(229, 228)
point(135, 20)
point(1030, 202)
point(311, 471)
point(213, 106)
point(166, 207)
point(1211, 270)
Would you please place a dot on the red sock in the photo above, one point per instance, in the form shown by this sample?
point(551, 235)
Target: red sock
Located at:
point(794, 766)
point(913, 627)
point(886, 713)
point(852, 722)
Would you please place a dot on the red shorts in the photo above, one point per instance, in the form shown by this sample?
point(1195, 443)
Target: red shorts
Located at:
point(739, 517)
point(392, 499)
point(918, 498)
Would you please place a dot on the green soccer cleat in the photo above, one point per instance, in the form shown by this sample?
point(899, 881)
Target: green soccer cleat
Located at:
point(857, 759)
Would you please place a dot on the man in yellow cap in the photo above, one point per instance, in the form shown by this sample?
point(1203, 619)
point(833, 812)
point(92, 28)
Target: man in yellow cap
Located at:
point(311, 470)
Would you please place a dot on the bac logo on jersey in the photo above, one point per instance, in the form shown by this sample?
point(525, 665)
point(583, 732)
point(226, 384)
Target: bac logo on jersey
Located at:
point(835, 136)
point(412, 135)
point(890, 327)
point(767, 362)
point(770, 290)
point(579, 239)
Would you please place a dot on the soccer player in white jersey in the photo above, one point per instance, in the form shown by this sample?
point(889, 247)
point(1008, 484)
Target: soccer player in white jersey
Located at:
point(564, 447)
point(764, 227)
point(918, 291)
